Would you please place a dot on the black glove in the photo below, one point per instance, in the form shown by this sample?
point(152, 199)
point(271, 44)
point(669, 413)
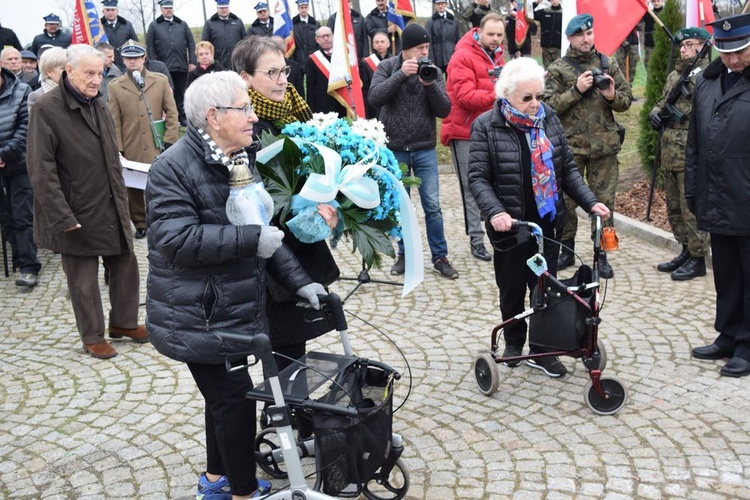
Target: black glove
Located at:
point(167, 145)
point(654, 119)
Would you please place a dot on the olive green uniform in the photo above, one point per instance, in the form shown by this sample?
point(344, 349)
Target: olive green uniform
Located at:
point(589, 125)
point(673, 143)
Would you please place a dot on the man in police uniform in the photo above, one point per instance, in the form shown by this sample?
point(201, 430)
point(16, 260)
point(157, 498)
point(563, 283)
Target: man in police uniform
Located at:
point(586, 113)
point(51, 35)
point(223, 30)
point(717, 187)
point(674, 120)
point(262, 26)
point(304, 27)
point(118, 29)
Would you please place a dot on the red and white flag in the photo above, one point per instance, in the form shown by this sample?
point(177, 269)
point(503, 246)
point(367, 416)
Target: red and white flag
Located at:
point(698, 13)
point(613, 20)
point(87, 27)
point(344, 83)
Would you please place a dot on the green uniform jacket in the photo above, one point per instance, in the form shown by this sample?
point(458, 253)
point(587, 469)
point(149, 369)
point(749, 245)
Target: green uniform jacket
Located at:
point(674, 136)
point(588, 119)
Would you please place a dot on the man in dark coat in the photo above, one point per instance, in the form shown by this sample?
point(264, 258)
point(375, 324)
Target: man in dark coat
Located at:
point(444, 35)
point(717, 187)
point(80, 201)
point(381, 45)
point(360, 32)
point(649, 25)
point(223, 30)
point(51, 35)
point(263, 25)
point(377, 22)
point(318, 70)
point(304, 27)
point(170, 41)
point(118, 29)
point(550, 22)
point(17, 223)
point(8, 38)
point(10, 59)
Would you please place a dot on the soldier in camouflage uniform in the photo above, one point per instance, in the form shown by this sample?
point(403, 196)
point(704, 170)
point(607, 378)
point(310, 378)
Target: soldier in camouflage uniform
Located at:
point(627, 55)
point(691, 262)
point(586, 114)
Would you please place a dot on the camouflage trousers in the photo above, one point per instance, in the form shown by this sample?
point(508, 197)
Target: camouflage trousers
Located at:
point(601, 175)
point(627, 58)
point(681, 219)
point(549, 55)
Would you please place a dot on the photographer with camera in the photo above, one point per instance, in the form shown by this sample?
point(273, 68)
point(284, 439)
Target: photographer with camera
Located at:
point(472, 74)
point(672, 115)
point(585, 87)
point(411, 93)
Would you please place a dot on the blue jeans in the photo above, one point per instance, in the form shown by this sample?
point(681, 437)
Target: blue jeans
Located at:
point(423, 164)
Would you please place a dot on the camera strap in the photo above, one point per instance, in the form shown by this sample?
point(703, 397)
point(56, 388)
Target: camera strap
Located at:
point(603, 58)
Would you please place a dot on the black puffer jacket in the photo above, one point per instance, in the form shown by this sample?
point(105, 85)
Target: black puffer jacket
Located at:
point(496, 175)
point(408, 108)
point(203, 274)
point(171, 43)
point(14, 123)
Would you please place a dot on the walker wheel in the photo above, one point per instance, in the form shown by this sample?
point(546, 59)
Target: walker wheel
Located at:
point(594, 363)
point(616, 395)
point(265, 443)
point(485, 370)
point(393, 487)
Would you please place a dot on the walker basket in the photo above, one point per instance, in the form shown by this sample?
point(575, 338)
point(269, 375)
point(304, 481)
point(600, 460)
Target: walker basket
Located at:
point(349, 450)
point(561, 323)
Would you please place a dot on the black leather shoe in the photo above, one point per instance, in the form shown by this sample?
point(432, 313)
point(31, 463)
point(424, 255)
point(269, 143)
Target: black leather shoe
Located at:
point(511, 351)
point(711, 351)
point(605, 270)
point(692, 268)
point(566, 260)
point(140, 233)
point(736, 367)
point(674, 264)
point(480, 252)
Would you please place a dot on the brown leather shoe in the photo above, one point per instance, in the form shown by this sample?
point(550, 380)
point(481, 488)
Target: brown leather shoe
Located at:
point(137, 334)
point(102, 350)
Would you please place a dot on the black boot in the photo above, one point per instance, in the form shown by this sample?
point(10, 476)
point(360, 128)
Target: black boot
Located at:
point(567, 258)
point(674, 264)
point(692, 268)
point(605, 270)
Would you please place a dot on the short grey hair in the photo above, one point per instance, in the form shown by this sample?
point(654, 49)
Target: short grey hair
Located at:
point(220, 88)
point(80, 51)
point(7, 51)
point(52, 58)
point(516, 72)
point(248, 51)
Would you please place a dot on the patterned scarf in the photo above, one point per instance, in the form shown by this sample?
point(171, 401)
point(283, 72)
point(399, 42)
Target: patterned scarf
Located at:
point(293, 108)
point(238, 158)
point(542, 169)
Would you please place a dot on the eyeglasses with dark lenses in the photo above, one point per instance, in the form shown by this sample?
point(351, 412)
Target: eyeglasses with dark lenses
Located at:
point(528, 98)
point(275, 73)
point(247, 108)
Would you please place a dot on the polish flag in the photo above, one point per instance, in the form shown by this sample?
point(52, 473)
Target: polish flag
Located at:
point(344, 83)
point(698, 13)
point(613, 20)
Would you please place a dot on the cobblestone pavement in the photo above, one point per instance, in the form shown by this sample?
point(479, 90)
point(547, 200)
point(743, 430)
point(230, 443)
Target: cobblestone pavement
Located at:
point(132, 427)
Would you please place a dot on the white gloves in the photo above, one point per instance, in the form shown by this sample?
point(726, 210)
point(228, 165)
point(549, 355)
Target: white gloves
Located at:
point(269, 241)
point(310, 293)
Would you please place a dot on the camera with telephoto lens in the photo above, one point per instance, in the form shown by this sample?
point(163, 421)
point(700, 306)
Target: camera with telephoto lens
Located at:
point(600, 80)
point(427, 71)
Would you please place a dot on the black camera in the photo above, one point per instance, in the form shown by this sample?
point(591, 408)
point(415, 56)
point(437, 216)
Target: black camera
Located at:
point(600, 79)
point(427, 71)
point(494, 73)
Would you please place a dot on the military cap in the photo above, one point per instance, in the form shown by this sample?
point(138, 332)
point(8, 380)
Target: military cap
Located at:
point(27, 54)
point(222, 2)
point(132, 49)
point(166, 3)
point(260, 6)
point(439, 1)
point(109, 4)
point(688, 33)
point(51, 19)
point(303, 2)
point(732, 33)
point(579, 24)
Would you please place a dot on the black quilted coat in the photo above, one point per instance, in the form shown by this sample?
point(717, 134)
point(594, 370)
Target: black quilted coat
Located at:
point(496, 174)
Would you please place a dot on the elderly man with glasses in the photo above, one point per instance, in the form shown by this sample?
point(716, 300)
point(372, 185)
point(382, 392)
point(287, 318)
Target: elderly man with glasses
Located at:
point(317, 70)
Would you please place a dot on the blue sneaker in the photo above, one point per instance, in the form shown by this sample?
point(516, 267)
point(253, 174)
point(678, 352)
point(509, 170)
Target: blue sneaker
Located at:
point(217, 490)
point(264, 488)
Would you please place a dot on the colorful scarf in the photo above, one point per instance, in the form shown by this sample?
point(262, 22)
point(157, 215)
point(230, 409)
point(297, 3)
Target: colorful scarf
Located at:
point(293, 108)
point(543, 181)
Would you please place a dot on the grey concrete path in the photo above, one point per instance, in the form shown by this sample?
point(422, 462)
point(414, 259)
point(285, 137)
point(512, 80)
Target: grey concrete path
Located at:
point(132, 427)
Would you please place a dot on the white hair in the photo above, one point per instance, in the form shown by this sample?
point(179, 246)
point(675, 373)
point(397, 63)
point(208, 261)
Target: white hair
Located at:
point(7, 51)
point(52, 58)
point(517, 71)
point(80, 51)
point(220, 88)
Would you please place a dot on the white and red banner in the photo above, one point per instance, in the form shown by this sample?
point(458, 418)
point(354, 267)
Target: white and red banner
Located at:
point(613, 20)
point(344, 82)
point(698, 13)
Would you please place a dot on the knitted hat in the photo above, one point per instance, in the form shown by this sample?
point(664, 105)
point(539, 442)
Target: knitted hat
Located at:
point(413, 35)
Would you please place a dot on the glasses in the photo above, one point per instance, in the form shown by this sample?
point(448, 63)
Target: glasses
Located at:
point(275, 73)
point(690, 45)
point(247, 108)
point(528, 98)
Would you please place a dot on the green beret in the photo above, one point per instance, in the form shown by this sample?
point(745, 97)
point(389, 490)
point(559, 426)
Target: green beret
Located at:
point(686, 33)
point(579, 24)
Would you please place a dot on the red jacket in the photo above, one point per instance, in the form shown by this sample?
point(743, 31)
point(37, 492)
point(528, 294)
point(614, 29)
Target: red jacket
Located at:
point(469, 86)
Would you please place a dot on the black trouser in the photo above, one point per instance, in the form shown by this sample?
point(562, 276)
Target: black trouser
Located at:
point(513, 276)
point(230, 425)
point(18, 222)
point(731, 261)
point(179, 79)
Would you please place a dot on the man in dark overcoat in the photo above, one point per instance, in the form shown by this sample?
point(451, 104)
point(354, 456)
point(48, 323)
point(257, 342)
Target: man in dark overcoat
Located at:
point(80, 201)
point(118, 29)
point(224, 29)
point(304, 27)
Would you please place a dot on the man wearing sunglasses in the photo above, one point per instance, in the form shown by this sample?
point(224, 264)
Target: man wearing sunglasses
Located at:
point(318, 69)
point(586, 112)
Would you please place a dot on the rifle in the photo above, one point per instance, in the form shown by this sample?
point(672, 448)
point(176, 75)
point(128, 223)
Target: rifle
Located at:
point(670, 114)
